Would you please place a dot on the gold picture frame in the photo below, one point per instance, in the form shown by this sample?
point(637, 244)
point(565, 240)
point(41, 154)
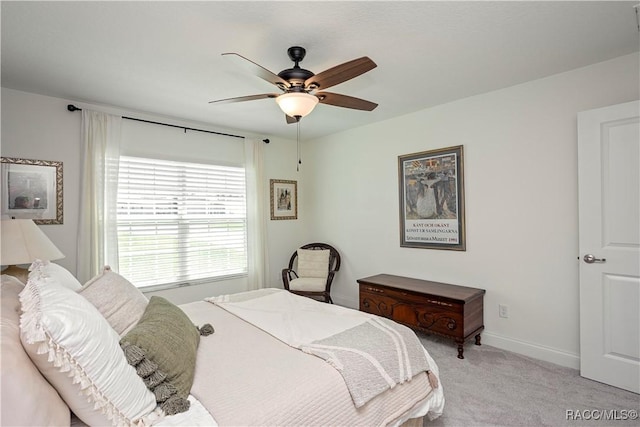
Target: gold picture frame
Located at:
point(431, 187)
point(284, 199)
point(32, 189)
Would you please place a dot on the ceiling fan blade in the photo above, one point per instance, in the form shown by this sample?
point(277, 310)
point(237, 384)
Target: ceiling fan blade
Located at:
point(340, 73)
point(345, 101)
point(290, 119)
point(244, 98)
point(257, 70)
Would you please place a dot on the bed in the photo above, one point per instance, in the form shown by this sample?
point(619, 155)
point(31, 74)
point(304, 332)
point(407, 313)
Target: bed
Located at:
point(245, 373)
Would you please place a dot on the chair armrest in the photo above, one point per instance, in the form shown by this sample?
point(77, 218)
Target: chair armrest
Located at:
point(287, 275)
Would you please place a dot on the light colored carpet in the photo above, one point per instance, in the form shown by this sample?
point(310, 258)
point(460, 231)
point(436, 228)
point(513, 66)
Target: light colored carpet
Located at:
point(493, 387)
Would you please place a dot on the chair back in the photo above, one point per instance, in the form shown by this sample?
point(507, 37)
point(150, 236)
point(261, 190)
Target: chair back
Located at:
point(334, 256)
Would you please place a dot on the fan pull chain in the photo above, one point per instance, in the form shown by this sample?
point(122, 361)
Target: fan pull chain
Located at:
point(298, 146)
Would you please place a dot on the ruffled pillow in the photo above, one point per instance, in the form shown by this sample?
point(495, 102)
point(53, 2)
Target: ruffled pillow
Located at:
point(78, 352)
point(61, 274)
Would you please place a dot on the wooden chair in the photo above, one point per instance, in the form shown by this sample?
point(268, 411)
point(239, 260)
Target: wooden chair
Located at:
point(315, 266)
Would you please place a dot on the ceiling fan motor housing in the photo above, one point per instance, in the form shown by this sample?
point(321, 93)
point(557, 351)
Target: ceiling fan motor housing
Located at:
point(296, 76)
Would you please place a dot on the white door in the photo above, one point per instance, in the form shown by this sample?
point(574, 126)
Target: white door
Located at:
point(609, 214)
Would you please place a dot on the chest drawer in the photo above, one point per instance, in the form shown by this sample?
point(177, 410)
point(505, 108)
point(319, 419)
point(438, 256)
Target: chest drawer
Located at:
point(424, 312)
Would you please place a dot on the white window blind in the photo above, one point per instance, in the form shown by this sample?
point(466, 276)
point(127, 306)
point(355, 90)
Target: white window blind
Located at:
point(180, 222)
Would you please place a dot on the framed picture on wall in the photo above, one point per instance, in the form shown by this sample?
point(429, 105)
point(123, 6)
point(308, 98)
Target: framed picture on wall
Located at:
point(284, 199)
point(431, 187)
point(32, 189)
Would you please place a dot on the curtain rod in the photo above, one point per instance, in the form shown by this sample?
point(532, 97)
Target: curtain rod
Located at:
point(73, 108)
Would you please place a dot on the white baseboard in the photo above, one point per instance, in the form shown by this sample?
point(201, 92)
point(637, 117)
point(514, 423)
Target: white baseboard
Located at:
point(537, 351)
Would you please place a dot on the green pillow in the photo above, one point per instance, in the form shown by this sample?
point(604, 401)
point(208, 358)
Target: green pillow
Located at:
point(162, 347)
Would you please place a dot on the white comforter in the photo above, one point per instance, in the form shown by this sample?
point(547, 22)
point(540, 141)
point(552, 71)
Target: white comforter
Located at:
point(246, 377)
point(371, 353)
point(292, 319)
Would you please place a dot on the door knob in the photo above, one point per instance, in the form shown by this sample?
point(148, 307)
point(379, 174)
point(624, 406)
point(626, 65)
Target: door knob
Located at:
point(590, 259)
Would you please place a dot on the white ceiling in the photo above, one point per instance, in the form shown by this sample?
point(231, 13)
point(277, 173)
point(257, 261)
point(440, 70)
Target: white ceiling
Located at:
point(165, 57)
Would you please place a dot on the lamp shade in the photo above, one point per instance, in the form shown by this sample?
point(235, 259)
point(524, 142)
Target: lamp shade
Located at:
point(23, 242)
point(297, 104)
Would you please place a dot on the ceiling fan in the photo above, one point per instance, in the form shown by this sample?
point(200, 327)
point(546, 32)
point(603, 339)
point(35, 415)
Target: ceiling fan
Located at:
point(301, 89)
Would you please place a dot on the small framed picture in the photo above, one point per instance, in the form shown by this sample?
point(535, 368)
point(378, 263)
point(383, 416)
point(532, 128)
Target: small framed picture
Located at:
point(432, 199)
point(32, 189)
point(284, 199)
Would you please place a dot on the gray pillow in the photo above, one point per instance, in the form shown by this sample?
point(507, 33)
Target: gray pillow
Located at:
point(162, 347)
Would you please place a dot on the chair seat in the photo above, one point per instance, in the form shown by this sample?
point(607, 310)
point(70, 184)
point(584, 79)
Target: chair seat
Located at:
point(309, 284)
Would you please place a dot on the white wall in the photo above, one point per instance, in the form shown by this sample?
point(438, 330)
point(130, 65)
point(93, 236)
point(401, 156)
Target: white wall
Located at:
point(41, 128)
point(284, 236)
point(520, 163)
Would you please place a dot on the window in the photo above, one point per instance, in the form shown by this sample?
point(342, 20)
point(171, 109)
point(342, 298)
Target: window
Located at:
point(180, 222)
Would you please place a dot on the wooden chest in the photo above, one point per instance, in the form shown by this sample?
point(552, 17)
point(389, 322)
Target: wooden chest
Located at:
point(435, 308)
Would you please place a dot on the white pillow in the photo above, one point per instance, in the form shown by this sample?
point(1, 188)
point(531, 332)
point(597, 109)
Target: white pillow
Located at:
point(74, 347)
point(313, 263)
point(119, 301)
point(60, 274)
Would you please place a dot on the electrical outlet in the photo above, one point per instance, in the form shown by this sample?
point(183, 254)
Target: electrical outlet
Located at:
point(503, 310)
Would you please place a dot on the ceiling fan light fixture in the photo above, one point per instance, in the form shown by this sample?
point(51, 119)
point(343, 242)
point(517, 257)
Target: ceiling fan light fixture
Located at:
point(297, 104)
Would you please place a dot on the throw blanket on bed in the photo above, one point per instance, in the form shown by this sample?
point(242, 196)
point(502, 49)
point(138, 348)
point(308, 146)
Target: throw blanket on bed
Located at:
point(371, 353)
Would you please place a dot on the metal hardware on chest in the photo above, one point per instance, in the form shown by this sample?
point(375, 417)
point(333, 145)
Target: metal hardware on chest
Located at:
point(439, 302)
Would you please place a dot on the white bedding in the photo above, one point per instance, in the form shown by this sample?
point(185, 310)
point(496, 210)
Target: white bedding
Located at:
point(196, 416)
point(246, 377)
point(290, 318)
point(243, 375)
point(372, 353)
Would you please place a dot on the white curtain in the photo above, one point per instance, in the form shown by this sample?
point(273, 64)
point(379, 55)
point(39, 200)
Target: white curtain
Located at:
point(97, 234)
point(258, 259)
